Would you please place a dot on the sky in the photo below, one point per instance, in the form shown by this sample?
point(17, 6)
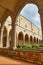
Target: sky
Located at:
point(30, 11)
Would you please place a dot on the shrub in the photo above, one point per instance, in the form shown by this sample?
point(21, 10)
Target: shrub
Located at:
point(29, 45)
point(35, 46)
point(41, 45)
point(18, 46)
point(23, 46)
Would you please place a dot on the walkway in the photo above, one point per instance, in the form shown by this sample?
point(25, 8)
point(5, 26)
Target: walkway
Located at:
point(9, 61)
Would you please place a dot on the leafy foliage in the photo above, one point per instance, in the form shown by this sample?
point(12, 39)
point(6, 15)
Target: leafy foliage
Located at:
point(29, 46)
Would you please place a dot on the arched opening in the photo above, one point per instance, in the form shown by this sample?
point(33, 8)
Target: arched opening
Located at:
point(34, 40)
point(29, 14)
point(25, 25)
point(10, 39)
point(26, 39)
point(31, 39)
point(5, 37)
point(22, 5)
point(20, 38)
point(8, 25)
point(5, 32)
point(37, 40)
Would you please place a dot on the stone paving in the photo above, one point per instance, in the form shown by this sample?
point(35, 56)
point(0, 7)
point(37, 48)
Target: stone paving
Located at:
point(9, 61)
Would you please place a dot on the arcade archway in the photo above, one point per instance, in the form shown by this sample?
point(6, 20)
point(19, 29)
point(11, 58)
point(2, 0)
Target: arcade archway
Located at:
point(26, 39)
point(20, 38)
point(18, 7)
point(34, 40)
point(31, 40)
point(37, 40)
point(5, 37)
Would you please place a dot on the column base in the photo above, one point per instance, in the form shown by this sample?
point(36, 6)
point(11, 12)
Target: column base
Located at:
point(10, 48)
point(1, 45)
point(14, 47)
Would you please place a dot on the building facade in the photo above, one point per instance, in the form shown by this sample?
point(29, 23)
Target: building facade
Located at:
point(25, 32)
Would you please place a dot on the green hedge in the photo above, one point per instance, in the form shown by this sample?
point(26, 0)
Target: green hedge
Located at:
point(29, 46)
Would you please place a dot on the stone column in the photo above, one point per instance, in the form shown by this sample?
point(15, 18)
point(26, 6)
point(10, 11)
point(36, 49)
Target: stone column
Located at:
point(7, 40)
point(16, 38)
point(23, 39)
point(13, 34)
point(29, 39)
point(41, 16)
point(0, 37)
point(32, 40)
point(0, 32)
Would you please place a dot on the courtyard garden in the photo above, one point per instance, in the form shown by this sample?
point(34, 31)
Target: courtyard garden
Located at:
point(29, 46)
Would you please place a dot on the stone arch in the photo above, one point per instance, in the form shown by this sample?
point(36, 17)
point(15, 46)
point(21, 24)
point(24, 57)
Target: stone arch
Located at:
point(20, 38)
point(15, 8)
point(24, 2)
point(26, 38)
point(13, 4)
point(34, 39)
point(6, 13)
point(5, 37)
point(8, 23)
point(7, 27)
point(37, 40)
point(31, 39)
point(5, 16)
point(10, 39)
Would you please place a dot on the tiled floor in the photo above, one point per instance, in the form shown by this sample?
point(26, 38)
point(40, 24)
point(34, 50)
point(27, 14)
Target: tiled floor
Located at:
point(9, 61)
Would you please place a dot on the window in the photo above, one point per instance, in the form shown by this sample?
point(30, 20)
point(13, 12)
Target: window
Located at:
point(26, 26)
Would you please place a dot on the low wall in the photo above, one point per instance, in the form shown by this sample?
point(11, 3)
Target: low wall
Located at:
point(27, 55)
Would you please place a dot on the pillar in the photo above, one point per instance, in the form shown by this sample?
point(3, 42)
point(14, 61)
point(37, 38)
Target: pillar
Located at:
point(0, 37)
point(13, 34)
point(41, 16)
point(32, 40)
point(2, 29)
point(16, 38)
point(23, 39)
point(29, 39)
point(7, 40)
